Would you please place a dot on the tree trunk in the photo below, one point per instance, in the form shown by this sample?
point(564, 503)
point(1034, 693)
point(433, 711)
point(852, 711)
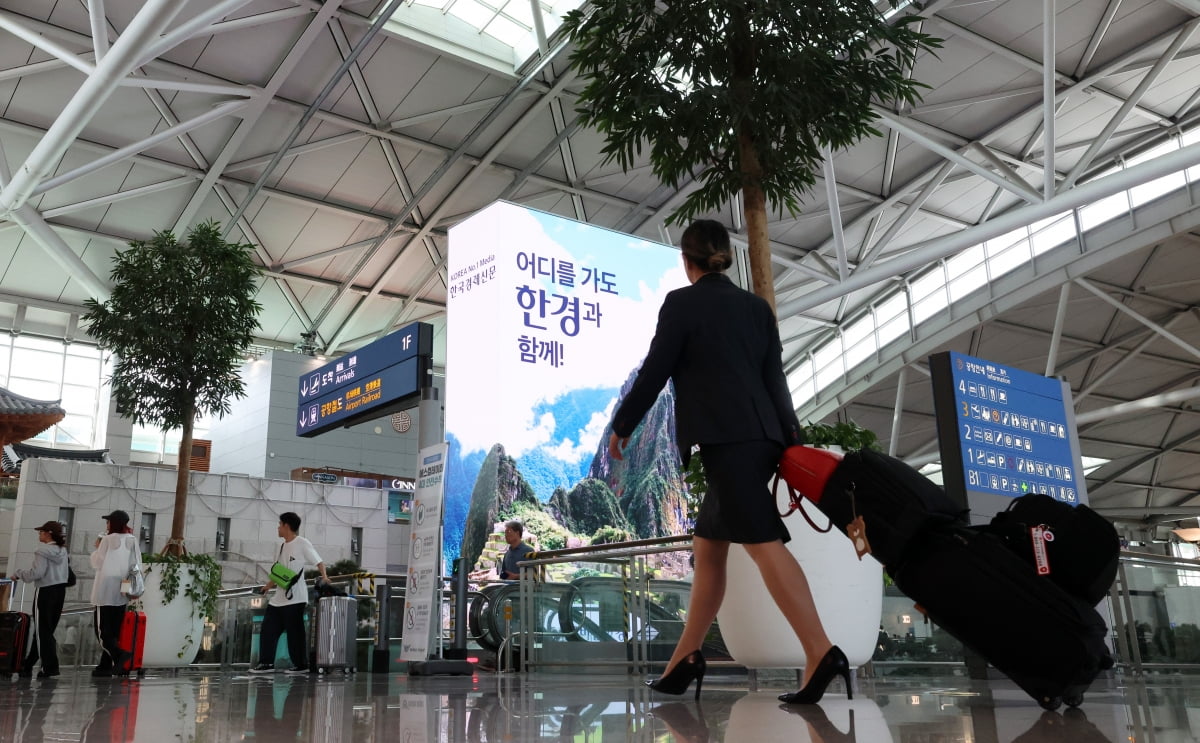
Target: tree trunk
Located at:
point(744, 57)
point(754, 211)
point(179, 518)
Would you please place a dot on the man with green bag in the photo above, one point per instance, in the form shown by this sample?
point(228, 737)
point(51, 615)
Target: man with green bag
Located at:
point(285, 610)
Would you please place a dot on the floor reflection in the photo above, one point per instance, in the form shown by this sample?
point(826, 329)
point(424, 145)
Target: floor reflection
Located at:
point(212, 708)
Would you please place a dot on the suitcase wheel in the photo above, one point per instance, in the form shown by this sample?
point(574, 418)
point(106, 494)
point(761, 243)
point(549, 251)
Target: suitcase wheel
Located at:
point(1051, 703)
point(1073, 700)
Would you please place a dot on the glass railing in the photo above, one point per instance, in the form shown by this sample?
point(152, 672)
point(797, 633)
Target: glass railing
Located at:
point(604, 608)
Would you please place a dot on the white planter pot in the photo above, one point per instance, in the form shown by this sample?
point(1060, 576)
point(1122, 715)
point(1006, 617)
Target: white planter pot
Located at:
point(848, 594)
point(173, 631)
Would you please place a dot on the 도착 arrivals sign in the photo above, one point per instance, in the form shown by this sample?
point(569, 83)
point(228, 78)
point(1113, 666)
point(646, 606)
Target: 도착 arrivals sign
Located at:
point(377, 379)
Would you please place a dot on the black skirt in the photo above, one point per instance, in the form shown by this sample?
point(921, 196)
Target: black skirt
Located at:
point(739, 505)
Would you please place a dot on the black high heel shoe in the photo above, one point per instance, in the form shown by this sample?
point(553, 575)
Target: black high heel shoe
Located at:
point(680, 677)
point(833, 664)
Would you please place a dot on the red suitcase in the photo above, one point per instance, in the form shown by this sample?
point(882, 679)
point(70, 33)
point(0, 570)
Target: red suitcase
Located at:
point(133, 641)
point(15, 638)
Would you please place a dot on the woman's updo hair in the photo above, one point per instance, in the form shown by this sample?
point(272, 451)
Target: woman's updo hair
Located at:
point(706, 244)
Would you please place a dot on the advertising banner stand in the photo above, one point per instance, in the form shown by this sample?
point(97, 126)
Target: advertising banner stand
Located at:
point(423, 590)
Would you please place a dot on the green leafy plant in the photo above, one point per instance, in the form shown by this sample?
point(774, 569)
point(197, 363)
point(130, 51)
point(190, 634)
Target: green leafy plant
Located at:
point(179, 320)
point(847, 434)
point(697, 485)
point(742, 97)
point(202, 591)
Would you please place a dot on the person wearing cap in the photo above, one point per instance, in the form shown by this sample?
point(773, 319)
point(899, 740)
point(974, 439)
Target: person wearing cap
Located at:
point(49, 575)
point(110, 603)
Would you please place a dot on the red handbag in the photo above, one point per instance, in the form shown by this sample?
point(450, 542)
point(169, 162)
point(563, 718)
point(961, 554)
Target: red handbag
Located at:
point(805, 470)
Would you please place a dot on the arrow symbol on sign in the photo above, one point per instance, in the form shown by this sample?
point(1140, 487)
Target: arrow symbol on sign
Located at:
point(304, 388)
point(303, 420)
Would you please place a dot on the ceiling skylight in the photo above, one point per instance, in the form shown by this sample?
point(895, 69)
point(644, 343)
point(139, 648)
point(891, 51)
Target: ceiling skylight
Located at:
point(501, 34)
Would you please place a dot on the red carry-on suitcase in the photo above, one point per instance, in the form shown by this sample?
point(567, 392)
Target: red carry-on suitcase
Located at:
point(16, 630)
point(132, 641)
point(1052, 644)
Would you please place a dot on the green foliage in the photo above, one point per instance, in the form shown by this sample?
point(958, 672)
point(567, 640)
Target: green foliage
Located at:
point(694, 81)
point(611, 535)
point(846, 434)
point(8, 489)
point(179, 320)
point(550, 534)
point(202, 591)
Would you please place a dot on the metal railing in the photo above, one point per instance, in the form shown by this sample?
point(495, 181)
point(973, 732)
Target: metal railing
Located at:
point(580, 622)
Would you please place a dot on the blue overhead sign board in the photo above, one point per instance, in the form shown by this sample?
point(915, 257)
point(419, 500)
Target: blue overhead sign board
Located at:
point(412, 340)
point(379, 378)
point(1004, 431)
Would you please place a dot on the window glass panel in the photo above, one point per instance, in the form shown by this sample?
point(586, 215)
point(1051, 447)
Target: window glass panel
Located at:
point(146, 439)
point(892, 316)
point(1001, 260)
point(895, 328)
point(38, 344)
point(969, 282)
point(37, 389)
point(82, 370)
point(79, 400)
point(77, 430)
point(828, 360)
point(471, 12)
point(1160, 186)
point(965, 261)
point(859, 340)
point(1104, 210)
point(506, 31)
point(37, 364)
point(801, 384)
point(928, 283)
point(83, 351)
point(1052, 234)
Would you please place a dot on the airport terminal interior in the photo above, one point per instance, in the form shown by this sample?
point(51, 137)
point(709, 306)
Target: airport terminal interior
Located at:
point(1036, 209)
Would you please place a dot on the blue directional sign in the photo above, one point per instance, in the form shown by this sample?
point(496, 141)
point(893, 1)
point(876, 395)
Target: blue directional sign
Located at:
point(1004, 431)
point(380, 378)
point(412, 340)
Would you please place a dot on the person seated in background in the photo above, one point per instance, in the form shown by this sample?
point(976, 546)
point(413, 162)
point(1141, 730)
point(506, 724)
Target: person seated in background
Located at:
point(518, 551)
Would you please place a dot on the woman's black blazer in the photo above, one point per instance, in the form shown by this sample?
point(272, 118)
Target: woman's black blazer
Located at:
point(720, 345)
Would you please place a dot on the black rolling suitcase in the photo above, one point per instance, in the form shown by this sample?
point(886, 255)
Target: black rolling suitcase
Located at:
point(894, 500)
point(969, 583)
point(1080, 548)
point(15, 639)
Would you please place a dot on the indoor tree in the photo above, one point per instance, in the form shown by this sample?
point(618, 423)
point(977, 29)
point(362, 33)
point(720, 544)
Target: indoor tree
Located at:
point(179, 321)
point(743, 96)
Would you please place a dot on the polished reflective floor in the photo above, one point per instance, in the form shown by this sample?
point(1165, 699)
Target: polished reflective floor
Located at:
point(198, 706)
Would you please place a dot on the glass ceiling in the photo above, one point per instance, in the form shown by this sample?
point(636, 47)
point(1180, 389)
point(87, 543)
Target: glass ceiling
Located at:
point(502, 34)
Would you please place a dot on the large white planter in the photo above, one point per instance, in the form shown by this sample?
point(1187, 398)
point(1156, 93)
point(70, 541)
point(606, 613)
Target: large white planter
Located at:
point(173, 631)
point(848, 593)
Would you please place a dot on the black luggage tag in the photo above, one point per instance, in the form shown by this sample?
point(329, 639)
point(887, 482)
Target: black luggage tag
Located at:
point(1039, 535)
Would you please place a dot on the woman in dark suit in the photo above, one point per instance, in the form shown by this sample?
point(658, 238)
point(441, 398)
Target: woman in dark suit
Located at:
point(720, 346)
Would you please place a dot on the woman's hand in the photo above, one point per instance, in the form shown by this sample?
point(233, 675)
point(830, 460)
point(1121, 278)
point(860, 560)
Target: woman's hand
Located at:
point(615, 445)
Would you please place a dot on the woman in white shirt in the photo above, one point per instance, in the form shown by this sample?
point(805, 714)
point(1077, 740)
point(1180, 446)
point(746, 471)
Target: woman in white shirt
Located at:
point(110, 603)
point(49, 575)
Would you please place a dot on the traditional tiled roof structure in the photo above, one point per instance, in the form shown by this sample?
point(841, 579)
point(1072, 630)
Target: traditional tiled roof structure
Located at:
point(22, 418)
point(14, 454)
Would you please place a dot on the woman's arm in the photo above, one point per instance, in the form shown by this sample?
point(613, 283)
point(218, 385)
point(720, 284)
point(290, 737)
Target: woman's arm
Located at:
point(97, 556)
point(35, 573)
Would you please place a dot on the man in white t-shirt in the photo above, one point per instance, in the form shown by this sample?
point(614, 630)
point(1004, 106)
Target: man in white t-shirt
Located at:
point(285, 610)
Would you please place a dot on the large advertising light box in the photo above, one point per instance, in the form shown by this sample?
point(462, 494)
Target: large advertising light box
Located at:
point(547, 319)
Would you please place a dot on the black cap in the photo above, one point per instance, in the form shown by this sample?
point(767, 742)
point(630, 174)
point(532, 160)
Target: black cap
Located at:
point(117, 515)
